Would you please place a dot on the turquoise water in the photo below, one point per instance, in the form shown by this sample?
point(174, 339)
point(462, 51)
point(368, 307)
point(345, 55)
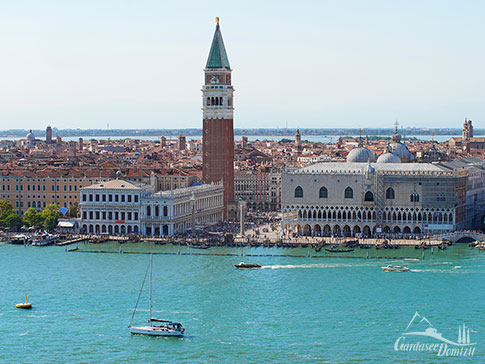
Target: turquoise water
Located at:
point(295, 310)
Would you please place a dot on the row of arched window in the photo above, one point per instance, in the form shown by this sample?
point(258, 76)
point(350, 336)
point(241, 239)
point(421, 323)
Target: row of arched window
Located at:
point(215, 101)
point(349, 193)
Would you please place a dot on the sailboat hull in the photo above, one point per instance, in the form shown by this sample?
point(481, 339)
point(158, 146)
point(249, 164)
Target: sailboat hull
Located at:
point(155, 331)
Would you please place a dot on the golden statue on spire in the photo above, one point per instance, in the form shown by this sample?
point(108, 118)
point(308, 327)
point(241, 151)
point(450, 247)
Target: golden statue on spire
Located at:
point(217, 20)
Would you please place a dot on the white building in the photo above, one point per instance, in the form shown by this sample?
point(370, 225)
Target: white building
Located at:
point(121, 207)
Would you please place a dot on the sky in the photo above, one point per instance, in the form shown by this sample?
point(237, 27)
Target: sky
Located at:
point(307, 64)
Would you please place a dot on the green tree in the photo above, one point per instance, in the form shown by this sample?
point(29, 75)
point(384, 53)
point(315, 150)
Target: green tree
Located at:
point(7, 215)
point(73, 211)
point(33, 218)
point(5, 209)
point(50, 216)
point(13, 221)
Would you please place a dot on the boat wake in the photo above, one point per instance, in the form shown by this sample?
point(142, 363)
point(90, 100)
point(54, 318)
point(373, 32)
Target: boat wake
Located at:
point(307, 266)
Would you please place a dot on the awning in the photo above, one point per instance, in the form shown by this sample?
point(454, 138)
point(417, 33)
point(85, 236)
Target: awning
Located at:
point(65, 224)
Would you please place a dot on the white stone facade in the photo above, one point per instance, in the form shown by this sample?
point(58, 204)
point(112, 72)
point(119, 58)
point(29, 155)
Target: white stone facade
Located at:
point(353, 198)
point(120, 207)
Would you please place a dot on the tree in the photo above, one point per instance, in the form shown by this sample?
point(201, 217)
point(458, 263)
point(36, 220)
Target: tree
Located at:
point(33, 218)
point(7, 215)
point(13, 221)
point(50, 216)
point(73, 211)
point(5, 209)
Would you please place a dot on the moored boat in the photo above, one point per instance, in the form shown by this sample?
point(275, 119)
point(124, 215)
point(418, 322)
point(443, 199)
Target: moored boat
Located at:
point(44, 240)
point(19, 239)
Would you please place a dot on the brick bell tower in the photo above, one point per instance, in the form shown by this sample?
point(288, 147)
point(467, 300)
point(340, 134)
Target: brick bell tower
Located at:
point(217, 126)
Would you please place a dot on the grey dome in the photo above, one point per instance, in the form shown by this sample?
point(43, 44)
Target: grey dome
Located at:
point(30, 136)
point(402, 152)
point(388, 157)
point(360, 155)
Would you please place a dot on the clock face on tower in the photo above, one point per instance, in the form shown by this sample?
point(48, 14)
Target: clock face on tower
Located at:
point(214, 80)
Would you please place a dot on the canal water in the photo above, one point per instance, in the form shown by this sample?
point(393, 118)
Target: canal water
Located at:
point(305, 309)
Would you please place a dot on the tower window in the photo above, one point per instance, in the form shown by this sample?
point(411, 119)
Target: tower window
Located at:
point(208, 101)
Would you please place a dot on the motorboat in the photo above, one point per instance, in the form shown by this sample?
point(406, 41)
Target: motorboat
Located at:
point(24, 305)
point(395, 268)
point(243, 265)
point(44, 240)
point(155, 326)
point(19, 239)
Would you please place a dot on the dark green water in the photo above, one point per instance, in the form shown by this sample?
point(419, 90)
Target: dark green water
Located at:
point(295, 310)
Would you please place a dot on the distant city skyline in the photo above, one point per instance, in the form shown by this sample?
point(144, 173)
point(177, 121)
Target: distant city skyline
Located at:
point(309, 64)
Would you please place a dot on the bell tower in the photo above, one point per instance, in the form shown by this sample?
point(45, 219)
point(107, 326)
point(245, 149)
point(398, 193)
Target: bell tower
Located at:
point(217, 125)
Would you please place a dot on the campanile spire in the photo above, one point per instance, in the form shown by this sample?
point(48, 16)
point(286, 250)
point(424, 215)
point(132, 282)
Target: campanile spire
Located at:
point(218, 123)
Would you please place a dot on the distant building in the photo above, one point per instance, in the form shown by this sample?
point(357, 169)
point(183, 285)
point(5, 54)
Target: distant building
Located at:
point(48, 135)
point(182, 142)
point(389, 196)
point(121, 207)
point(261, 191)
point(468, 143)
point(298, 145)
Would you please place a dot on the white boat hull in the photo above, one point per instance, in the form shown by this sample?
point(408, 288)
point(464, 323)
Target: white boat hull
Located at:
point(395, 269)
point(154, 331)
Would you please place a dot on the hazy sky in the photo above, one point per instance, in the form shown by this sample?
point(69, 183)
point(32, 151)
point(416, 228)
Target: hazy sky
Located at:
point(139, 64)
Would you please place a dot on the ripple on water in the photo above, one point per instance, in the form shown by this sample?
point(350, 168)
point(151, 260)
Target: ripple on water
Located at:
point(339, 311)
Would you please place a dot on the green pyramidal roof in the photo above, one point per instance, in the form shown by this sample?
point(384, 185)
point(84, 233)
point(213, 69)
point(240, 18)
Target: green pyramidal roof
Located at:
point(217, 55)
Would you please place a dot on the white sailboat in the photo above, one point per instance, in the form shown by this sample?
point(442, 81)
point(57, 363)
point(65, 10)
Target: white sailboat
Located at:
point(155, 326)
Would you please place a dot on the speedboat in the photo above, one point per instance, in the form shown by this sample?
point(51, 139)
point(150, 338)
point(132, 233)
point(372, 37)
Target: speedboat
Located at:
point(166, 328)
point(395, 268)
point(243, 265)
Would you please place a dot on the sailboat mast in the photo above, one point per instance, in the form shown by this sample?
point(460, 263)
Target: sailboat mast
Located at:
point(151, 265)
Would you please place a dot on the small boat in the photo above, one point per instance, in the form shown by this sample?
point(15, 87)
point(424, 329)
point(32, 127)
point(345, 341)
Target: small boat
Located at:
point(44, 240)
point(24, 305)
point(395, 268)
point(19, 239)
point(243, 265)
point(155, 326)
point(333, 250)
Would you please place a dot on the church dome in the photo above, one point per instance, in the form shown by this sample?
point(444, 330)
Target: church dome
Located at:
point(388, 157)
point(30, 135)
point(402, 152)
point(360, 155)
